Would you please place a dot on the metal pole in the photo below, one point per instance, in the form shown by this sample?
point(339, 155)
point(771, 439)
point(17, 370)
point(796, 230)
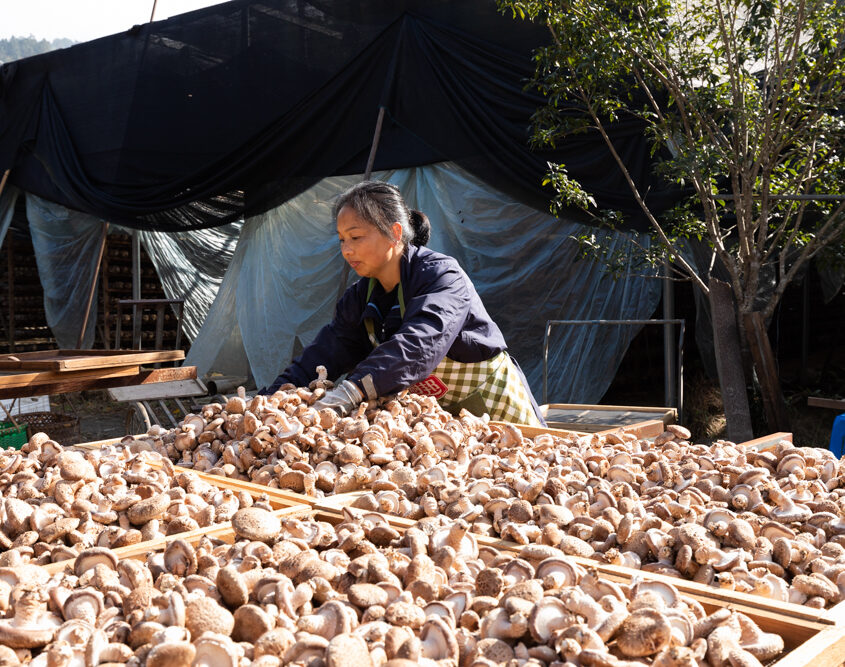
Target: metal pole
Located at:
point(669, 372)
point(153, 13)
point(546, 362)
point(368, 171)
point(136, 265)
point(805, 328)
point(93, 287)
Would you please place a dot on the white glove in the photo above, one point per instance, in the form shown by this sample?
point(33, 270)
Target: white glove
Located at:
point(343, 399)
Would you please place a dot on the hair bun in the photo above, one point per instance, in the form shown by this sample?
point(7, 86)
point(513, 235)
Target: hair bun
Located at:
point(421, 226)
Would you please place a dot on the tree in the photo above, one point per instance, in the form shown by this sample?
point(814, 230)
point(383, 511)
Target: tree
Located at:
point(743, 100)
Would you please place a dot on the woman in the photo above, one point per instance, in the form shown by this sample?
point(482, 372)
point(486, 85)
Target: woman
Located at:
point(414, 321)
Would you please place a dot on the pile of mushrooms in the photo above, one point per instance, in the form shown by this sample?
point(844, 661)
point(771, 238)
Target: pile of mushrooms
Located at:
point(358, 594)
point(57, 502)
point(770, 523)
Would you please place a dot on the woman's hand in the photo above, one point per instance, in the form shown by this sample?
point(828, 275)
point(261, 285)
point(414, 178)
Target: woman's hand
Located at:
point(343, 399)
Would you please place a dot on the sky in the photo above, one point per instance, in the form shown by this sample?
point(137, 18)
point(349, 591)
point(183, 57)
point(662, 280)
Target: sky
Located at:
point(81, 20)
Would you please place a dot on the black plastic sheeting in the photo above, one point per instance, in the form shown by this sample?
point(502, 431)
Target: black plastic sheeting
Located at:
point(231, 110)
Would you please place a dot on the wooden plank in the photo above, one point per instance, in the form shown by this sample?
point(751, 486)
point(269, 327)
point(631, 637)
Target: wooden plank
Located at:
point(830, 403)
point(60, 383)
point(647, 429)
point(148, 391)
point(767, 440)
point(837, 614)
point(13, 380)
point(823, 649)
point(534, 431)
point(221, 531)
point(70, 360)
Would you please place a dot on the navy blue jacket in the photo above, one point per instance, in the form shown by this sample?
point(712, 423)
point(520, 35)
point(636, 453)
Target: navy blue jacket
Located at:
point(443, 317)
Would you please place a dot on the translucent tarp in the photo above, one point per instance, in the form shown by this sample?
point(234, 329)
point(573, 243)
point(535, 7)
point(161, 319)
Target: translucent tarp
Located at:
point(191, 266)
point(67, 246)
point(283, 282)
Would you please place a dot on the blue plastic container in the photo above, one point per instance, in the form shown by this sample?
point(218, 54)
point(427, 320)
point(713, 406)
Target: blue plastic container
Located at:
point(837, 436)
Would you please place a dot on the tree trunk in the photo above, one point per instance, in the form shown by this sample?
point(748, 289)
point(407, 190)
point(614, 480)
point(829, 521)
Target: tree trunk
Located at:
point(765, 366)
point(729, 362)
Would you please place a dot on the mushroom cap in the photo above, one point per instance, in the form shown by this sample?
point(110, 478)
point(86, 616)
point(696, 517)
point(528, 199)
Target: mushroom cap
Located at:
point(367, 595)
point(172, 654)
point(89, 558)
point(548, 615)
point(232, 586)
point(216, 650)
point(251, 622)
point(180, 558)
point(644, 632)
point(494, 650)
point(438, 640)
point(253, 523)
point(150, 508)
point(84, 603)
point(73, 466)
point(274, 642)
point(205, 615)
point(348, 651)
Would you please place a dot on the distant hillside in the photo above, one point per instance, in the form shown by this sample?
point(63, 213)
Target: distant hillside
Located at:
point(15, 48)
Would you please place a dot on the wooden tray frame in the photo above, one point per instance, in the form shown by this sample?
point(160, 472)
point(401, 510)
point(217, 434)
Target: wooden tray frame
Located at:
point(75, 360)
point(811, 639)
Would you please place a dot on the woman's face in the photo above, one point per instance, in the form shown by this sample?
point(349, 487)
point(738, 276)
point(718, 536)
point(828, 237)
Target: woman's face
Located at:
point(369, 252)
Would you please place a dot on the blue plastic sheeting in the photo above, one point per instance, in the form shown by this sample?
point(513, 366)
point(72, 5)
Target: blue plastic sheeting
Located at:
point(283, 282)
point(191, 266)
point(67, 246)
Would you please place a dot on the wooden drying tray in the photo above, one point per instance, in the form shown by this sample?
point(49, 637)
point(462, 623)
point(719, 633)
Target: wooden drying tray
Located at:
point(592, 418)
point(810, 639)
point(75, 360)
point(646, 429)
point(761, 607)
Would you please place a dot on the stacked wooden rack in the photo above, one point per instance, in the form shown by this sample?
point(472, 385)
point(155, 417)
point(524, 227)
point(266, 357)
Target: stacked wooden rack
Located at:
point(812, 636)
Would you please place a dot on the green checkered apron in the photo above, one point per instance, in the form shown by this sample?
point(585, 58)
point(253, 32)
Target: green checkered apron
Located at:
point(493, 386)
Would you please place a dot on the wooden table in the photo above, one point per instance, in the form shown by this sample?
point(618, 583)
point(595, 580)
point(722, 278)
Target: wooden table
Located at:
point(61, 371)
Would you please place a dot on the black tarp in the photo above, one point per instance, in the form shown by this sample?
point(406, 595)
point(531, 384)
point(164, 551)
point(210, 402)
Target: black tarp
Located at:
point(231, 110)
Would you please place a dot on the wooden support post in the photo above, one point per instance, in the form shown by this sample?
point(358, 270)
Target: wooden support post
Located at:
point(764, 362)
point(93, 288)
point(729, 362)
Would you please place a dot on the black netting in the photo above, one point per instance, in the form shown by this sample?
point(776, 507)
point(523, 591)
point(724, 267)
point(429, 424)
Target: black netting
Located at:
point(227, 111)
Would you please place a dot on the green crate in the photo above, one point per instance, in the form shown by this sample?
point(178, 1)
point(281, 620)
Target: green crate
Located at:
point(12, 436)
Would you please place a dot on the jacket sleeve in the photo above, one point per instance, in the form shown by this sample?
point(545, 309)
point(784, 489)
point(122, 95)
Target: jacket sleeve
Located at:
point(339, 346)
point(434, 318)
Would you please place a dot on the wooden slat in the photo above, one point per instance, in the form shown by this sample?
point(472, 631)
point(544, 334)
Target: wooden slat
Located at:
point(823, 649)
point(70, 360)
point(831, 403)
point(148, 391)
point(534, 431)
point(221, 531)
point(50, 382)
point(767, 440)
point(12, 380)
point(647, 429)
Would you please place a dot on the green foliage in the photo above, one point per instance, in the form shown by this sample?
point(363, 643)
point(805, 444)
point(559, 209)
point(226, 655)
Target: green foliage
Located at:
point(747, 98)
point(15, 48)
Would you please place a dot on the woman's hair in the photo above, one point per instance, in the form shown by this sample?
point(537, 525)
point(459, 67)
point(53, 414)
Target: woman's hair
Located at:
point(381, 204)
